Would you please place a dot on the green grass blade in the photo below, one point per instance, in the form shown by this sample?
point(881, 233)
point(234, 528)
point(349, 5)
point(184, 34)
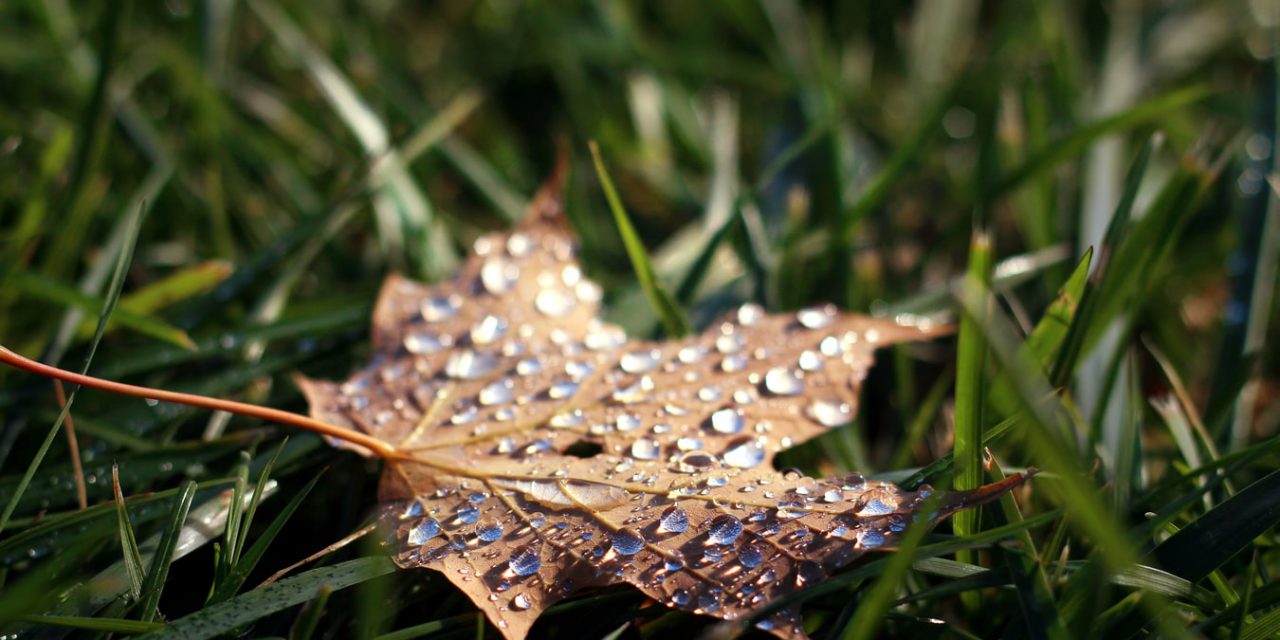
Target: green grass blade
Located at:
point(158, 572)
point(1220, 534)
point(875, 604)
point(970, 396)
point(110, 625)
point(42, 287)
point(245, 608)
point(669, 312)
point(113, 295)
point(309, 618)
point(128, 541)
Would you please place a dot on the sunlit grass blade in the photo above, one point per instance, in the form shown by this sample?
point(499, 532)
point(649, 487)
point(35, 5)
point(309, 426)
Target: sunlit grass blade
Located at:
point(128, 541)
point(668, 310)
point(876, 602)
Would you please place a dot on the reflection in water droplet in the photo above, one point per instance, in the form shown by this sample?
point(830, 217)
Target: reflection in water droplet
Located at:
point(640, 361)
point(724, 529)
point(814, 318)
point(728, 421)
point(674, 520)
point(695, 461)
point(498, 392)
point(525, 561)
point(521, 602)
point(470, 365)
point(830, 413)
point(626, 542)
point(438, 308)
point(717, 481)
point(868, 539)
point(555, 303)
point(490, 532)
point(744, 453)
point(464, 413)
point(832, 495)
point(425, 530)
point(646, 449)
point(783, 382)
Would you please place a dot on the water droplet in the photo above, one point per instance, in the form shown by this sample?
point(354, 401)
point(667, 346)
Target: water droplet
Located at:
point(725, 529)
point(422, 343)
point(627, 421)
point(750, 556)
point(626, 542)
point(489, 329)
point(733, 363)
point(413, 510)
point(498, 392)
point(868, 539)
point(744, 453)
point(809, 361)
point(470, 365)
point(717, 481)
point(808, 572)
point(521, 602)
point(438, 308)
point(498, 275)
point(646, 449)
point(783, 382)
point(710, 394)
point(554, 303)
point(562, 389)
point(832, 495)
point(728, 421)
point(464, 413)
point(468, 514)
point(691, 354)
point(525, 561)
point(830, 413)
point(730, 343)
point(708, 603)
point(518, 245)
point(689, 443)
point(674, 520)
point(680, 597)
point(695, 461)
point(490, 532)
point(815, 318)
point(426, 529)
point(567, 419)
point(577, 370)
point(673, 562)
point(749, 314)
point(637, 392)
point(854, 481)
point(640, 361)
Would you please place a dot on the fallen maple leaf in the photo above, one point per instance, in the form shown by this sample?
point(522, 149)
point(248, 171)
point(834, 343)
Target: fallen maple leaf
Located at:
point(479, 386)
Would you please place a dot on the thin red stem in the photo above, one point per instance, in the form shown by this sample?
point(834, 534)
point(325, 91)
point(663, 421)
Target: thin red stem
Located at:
point(378, 447)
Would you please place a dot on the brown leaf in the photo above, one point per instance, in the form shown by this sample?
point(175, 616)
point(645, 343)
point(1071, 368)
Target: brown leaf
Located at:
point(480, 384)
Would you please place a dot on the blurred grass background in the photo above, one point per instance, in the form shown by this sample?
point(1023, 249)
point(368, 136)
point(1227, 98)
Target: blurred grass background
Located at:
point(286, 156)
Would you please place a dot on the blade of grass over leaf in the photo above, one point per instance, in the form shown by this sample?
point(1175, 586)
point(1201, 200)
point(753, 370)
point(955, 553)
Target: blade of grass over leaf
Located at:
point(254, 605)
point(158, 572)
point(668, 310)
point(871, 610)
point(117, 285)
point(970, 396)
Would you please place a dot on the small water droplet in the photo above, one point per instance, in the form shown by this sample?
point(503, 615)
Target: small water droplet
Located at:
point(521, 602)
point(717, 481)
point(691, 354)
point(464, 413)
point(499, 392)
point(498, 275)
point(749, 314)
point(646, 449)
point(832, 495)
point(815, 317)
point(528, 367)
point(680, 597)
point(727, 421)
point(783, 381)
point(562, 389)
point(470, 365)
point(744, 453)
point(733, 363)
point(638, 392)
point(830, 413)
point(627, 421)
point(439, 308)
point(468, 514)
point(710, 394)
point(422, 342)
point(555, 303)
point(831, 347)
point(689, 443)
point(808, 572)
point(489, 329)
point(640, 361)
point(809, 361)
point(490, 532)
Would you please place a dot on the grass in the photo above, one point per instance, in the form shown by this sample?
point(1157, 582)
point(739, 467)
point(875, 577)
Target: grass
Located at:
point(1117, 328)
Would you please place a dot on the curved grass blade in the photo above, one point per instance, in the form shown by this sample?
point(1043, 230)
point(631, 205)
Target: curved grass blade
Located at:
point(669, 312)
point(1220, 534)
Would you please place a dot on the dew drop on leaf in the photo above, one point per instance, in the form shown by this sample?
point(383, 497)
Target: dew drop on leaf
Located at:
point(521, 602)
point(439, 308)
point(499, 392)
point(490, 532)
point(640, 361)
point(724, 529)
point(830, 413)
point(744, 453)
point(728, 421)
point(751, 556)
point(422, 343)
point(674, 520)
point(815, 318)
point(467, 364)
point(524, 561)
point(646, 449)
point(426, 529)
point(782, 381)
point(626, 542)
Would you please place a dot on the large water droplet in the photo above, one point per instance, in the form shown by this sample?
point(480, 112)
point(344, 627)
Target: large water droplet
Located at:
point(468, 514)
point(646, 449)
point(783, 381)
point(745, 453)
point(439, 308)
point(521, 602)
point(626, 542)
point(830, 413)
point(640, 361)
point(674, 520)
point(809, 361)
point(490, 532)
point(815, 317)
point(470, 365)
point(525, 561)
point(498, 392)
point(426, 529)
point(489, 328)
point(554, 303)
point(751, 556)
point(724, 529)
point(422, 342)
point(727, 421)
